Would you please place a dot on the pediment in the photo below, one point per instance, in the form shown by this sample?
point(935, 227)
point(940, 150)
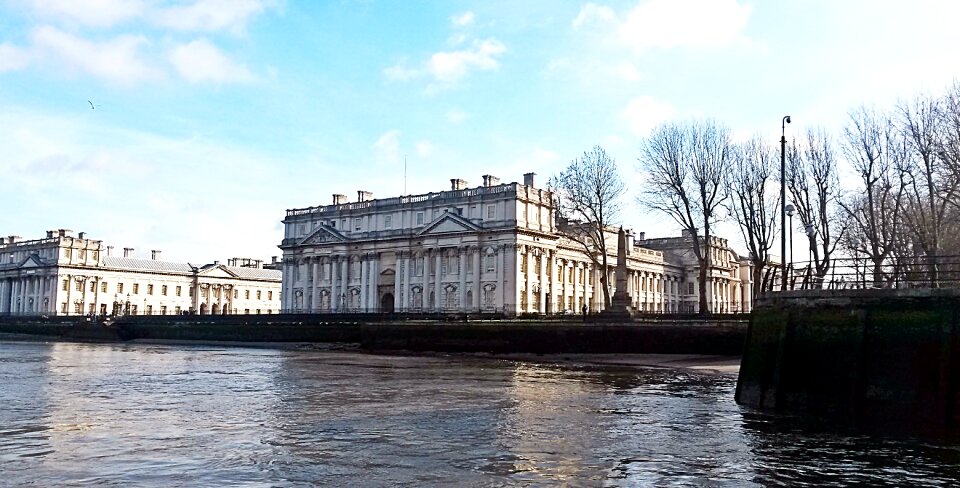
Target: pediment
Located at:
point(216, 271)
point(322, 235)
point(32, 261)
point(449, 223)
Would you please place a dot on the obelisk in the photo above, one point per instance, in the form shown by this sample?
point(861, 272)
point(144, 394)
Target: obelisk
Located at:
point(620, 303)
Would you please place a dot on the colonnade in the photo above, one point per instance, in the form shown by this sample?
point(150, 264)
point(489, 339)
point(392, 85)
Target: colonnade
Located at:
point(419, 280)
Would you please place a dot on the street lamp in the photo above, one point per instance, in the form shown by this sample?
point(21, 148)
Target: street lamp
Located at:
point(811, 233)
point(783, 194)
point(790, 211)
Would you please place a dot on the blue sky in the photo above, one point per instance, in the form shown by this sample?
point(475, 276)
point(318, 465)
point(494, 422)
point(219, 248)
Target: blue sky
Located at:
point(214, 116)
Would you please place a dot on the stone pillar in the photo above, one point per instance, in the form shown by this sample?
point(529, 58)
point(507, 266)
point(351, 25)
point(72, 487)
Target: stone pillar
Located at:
point(407, 302)
point(501, 290)
point(315, 299)
point(4, 296)
point(437, 290)
point(542, 278)
point(425, 293)
point(398, 281)
point(373, 281)
point(475, 303)
point(344, 282)
point(462, 274)
point(364, 279)
point(528, 279)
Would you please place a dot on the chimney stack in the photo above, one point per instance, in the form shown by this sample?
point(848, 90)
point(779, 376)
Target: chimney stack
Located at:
point(457, 184)
point(12, 239)
point(82, 235)
point(128, 252)
point(642, 236)
point(364, 196)
point(528, 179)
point(490, 180)
point(339, 199)
point(155, 254)
point(50, 234)
point(3, 240)
point(109, 250)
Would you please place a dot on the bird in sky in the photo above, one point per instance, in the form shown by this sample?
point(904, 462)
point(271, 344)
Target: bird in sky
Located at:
point(92, 106)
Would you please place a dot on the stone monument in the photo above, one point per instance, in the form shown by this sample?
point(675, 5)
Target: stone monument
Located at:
point(620, 303)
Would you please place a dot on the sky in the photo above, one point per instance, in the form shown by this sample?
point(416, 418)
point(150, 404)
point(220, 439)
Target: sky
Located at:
point(190, 126)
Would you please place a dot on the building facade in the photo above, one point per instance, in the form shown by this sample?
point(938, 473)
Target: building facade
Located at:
point(66, 275)
point(493, 248)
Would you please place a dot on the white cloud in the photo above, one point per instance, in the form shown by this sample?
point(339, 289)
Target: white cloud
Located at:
point(197, 15)
point(387, 147)
point(450, 66)
point(210, 15)
point(12, 58)
point(541, 161)
point(627, 71)
point(424, 149)
point(644, 113)
point(593, 13)
point(118, 60)
point(693, 23)
point(399, 72)
point(455, 116)
point(97, 13)
point(463, 19)
point(200, 61)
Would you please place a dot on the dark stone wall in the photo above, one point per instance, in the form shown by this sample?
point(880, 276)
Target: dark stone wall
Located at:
point(877, 357)
point(714, 337)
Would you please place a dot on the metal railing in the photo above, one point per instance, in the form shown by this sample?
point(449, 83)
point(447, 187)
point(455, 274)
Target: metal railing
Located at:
point(859, 273)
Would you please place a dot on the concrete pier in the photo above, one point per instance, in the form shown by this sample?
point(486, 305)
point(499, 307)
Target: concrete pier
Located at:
point(880, 357)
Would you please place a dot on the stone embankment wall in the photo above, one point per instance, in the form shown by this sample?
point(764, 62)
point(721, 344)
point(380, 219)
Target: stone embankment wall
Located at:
point(889, 358)
point(715, 337)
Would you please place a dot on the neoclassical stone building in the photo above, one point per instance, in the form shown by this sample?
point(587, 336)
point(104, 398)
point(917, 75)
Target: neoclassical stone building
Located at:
point(493, 248)
point(66, 275)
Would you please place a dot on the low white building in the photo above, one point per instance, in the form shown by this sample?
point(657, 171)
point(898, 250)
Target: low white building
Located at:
point(66, 275)
point(493, 248)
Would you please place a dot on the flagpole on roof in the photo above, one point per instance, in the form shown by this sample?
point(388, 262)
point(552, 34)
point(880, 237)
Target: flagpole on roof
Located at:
point(404, 174)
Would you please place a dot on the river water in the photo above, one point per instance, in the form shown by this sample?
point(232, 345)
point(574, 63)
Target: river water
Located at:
point(149, 415)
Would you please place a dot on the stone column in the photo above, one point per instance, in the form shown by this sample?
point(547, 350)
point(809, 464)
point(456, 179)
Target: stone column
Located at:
point(373, 282)
point(364, 279)
point(542, 278)
point(425, 293)
point(501, 289)
point(437, 290)
point(344, 282)
point(4, 296)
point(462, 274)
point(315, 299)
point(407, 302)
point(398, 281)
point(477, 274)
point(528, 279)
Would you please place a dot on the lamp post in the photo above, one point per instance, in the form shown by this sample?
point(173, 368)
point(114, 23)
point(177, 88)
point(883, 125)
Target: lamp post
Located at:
point(790, 211)
point(783, 195)
point(811, 233)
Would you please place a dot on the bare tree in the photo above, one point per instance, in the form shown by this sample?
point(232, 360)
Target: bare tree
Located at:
point(684, 164)
point(814, 186)
point(877, 152)
point(931, 186)
point(588, 197)
point(751, 205)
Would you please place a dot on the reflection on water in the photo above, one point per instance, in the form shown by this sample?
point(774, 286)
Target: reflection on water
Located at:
point(122, 415)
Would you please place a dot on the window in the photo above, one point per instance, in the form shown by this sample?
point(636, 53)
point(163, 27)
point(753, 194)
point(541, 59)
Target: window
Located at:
point(489, 262)
point(356, 225)
point(178, 290)
point(136, 288)
point(103, 286)
point(419, 218)
point(246, 294)
point(163, 291)
point(82, 254)
point(333, 223)
point(66, 286)
point(119, 287)
point(388, 221)
point(192, 291)
point(150, 289)
point(79, 286)
point(93, 286)
point(689, 288)
point(177, 310)
point(246, 311)
point(133, 310)
point(204, 292)
point(149, 309)
point(163, 309)
point(418, 266)
point(77, 308)
point(491, 211)
point(68, 253)
point(460, 211)
point(236, 293)
point(63, 308)
point(258, 311)
point(258, 296)
point(270, 295)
